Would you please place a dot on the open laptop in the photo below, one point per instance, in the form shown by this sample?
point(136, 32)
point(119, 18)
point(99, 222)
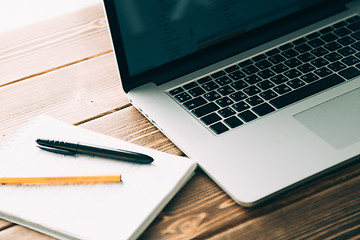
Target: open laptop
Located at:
point(264, 95)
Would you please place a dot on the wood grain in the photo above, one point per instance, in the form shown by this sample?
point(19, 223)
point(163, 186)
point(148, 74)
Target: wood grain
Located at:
point(72, 94)
point(333, 213)
point(23, 233)
point(38, 48)
point(201, 208)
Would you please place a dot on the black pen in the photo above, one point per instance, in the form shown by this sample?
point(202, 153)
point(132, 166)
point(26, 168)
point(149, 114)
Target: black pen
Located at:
point(71, 148)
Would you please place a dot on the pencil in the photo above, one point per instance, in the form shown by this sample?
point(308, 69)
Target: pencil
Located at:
point(61, 180)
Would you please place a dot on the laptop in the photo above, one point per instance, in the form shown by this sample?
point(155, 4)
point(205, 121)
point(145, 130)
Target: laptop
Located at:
point(264, 95)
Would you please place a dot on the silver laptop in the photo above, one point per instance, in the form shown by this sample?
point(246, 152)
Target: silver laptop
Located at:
point(264, 95)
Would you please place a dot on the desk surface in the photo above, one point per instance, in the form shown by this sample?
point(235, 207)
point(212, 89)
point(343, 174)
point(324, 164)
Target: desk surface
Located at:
point(65, 68)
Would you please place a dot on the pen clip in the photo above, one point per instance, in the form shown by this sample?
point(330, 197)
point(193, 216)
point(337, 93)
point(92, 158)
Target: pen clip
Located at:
point(57, 150)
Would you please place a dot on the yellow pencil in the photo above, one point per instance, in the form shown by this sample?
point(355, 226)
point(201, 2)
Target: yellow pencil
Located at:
point(60, 180)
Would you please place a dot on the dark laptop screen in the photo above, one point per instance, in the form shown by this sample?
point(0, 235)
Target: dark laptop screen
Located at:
point(156, 32)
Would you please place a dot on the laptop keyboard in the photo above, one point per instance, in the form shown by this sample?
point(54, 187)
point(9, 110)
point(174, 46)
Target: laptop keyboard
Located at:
point(270, 81)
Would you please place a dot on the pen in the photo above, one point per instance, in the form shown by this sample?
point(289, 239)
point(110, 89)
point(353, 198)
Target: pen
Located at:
point(60, 180)
point(73, 148)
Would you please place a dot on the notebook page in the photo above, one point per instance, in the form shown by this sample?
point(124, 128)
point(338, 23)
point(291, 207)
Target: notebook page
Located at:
point(93, 211)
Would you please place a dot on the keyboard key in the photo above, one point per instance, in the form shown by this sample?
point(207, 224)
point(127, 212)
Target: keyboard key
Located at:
point(336, 66)
point(194, 103)
point(210, 119)
point(333, 46)
point(281, 89)
point(329, 37)
point(313, 35)
point(332, 57)
point(263, 64)
point(350, 73)
point(323, 72)
point(209, 86)
point(258, 58)
point(272, 52)
point(250, 69)
point(253, 101)
point(317, 42)
point(241, 106)
point(306, 57)
point(326, 30)
point(306, 91)
point(238, 96)
point(310, 77)
point(211, 96)
point(263, 109)
point(264, 85)
point(277, 59)
point(239, 85)
point(295, 83)
point(182, 97)
point(245, 63)
point(303, 48)
point(225, 90)
point(252, 90)
point(292, 63)
point(224, 102)
point(219, 128)
point(319, 51)
point(356, 46)
point(290, 53)
point(286, 46)
point(354, 26)
point(218, 74)
point(267, 95)
point(231, 69)
point(197, 91)
point(223, 80)
point(306, 68)
point(345, 41)
point(247, 116)
point(204, 80)
point(299, 41)
point(226, 112)
point(233, 122)
point(319, 62)
point(340, 24)
point(279, 79)
point(206, 109)
point(350, 60)
point(267, 73)
point(237, 75)
point(252, 79)
point(293, 73)
point(353, 19)
point(176, 91)
point(190, 85)
point(280, 68)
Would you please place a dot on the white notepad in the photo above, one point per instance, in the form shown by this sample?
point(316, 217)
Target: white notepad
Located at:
point(93, 211)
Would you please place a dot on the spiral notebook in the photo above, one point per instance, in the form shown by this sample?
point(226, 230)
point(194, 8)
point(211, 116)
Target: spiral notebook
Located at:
point(92, 211)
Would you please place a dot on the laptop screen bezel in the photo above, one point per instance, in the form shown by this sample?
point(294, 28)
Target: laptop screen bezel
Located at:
point(214, 53)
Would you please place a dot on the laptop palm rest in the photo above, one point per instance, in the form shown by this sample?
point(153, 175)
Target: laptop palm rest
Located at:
point(336, 121)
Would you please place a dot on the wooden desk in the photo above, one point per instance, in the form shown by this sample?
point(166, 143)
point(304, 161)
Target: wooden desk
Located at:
point(65, 68)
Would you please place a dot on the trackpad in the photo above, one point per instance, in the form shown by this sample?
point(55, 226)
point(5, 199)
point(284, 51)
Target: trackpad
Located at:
point(337, 121)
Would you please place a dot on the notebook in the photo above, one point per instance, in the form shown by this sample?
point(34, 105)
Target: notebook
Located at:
point(264, 95)
point(86, 211)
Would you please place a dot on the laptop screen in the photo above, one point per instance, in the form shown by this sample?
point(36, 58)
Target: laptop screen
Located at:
point(156, 32)
point(159, 40)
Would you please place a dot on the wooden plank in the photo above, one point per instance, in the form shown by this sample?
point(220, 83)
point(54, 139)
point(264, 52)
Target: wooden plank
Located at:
point(333, 213)
point(72, 94)
point(201, 209)
point(4, 224)
point(19, 232)
point(130, 125)
point(41, 47)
